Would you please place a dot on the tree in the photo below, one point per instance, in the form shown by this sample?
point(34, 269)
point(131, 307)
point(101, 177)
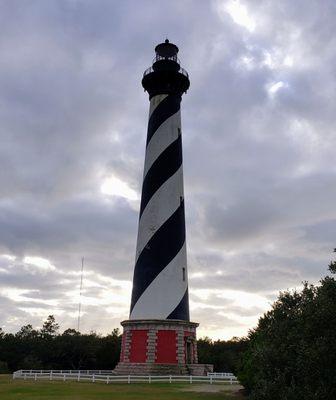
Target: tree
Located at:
point(224, 355)
point(3, 367)
point(27, 332)
point(108, 353)
point(205, 350)
point(332, 265)
point(50, 327)
point(291, 354)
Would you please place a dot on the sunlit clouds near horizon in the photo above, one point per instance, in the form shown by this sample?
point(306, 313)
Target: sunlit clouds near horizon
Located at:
point(258, 138)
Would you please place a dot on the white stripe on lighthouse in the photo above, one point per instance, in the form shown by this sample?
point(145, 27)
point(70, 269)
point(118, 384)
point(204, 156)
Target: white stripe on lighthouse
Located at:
point(171, 281)
point(161, 206)
point(155, 101)
point(163, 137)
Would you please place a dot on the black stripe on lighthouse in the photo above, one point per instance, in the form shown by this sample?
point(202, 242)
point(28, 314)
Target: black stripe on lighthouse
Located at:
point(162, 169)
point(168, 107)
point(182, 309)
point(160, 269)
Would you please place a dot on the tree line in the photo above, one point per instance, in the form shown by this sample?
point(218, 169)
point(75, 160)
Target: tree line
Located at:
point(47, 348)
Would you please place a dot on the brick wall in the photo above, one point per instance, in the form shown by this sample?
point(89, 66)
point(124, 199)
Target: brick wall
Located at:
point(158, 341)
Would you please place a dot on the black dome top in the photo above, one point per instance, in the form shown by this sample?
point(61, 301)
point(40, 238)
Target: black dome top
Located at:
point(166, 49)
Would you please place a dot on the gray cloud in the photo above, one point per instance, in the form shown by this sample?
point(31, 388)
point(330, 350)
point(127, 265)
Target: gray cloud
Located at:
point(258, 148)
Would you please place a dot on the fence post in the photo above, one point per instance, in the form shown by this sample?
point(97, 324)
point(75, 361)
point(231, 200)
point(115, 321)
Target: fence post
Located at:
point(149, 379)
point(190, 380)
point(210, 380)
point(93, 377)
point(35, 376)
point(170, 379)
point(107, 379)
point(230, 380)
point(78, 378)
point(63, 377)
point(129, 379)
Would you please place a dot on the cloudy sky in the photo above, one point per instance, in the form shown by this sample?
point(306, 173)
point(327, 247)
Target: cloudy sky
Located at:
point(259, 151)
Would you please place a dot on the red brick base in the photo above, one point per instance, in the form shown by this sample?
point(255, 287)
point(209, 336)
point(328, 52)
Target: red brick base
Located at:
point(159, 345)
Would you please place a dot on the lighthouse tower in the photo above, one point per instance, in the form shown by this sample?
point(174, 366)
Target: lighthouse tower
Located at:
point(159, 338)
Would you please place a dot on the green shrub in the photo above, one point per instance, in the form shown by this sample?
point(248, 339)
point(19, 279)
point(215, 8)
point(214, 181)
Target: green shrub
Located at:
point(3, 367)
point(291, 354)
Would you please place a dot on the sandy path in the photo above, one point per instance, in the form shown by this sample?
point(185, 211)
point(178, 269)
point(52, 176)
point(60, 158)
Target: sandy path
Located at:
point(207, 388)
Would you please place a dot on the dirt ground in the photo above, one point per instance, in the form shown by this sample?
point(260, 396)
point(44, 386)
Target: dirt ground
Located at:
point(204, 388)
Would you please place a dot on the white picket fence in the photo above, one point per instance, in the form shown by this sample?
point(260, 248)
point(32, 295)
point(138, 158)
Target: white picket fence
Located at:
point(221, 374)
point(107, 377)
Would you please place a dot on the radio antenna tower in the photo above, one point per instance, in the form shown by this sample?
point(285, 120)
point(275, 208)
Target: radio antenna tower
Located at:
point(80, 295)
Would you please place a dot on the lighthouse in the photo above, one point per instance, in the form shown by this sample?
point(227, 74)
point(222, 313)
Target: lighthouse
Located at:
point(160, 285)
point(158, 337)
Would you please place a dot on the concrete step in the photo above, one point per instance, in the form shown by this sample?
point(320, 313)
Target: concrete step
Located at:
point(162, 369)
point(150, 369)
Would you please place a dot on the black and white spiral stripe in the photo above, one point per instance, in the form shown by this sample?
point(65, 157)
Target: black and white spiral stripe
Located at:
point(160, 283)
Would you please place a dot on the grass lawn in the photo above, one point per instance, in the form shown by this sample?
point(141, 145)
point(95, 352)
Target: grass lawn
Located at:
point(57, 390)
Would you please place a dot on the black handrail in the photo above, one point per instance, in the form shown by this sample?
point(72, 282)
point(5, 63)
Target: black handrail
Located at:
point(172, 58)
point(181, 71)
